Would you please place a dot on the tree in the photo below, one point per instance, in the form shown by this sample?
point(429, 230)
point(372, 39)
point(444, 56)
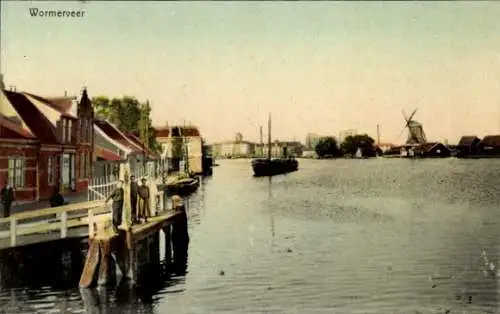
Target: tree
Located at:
point(129, 115)
point(362, 141)
point(327, 147)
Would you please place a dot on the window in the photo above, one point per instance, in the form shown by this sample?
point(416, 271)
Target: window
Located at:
point(70, 132)
point(50, 170)
point(63, 130)
point(17, 168)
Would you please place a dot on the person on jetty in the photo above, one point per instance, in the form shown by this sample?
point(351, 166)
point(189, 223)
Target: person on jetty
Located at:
point(134, 190)
point(56, 199)
point(143, 201)
point(7, 198)
point(117, 197)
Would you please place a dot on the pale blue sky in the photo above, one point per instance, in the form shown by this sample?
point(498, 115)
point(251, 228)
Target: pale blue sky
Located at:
point(318, 67)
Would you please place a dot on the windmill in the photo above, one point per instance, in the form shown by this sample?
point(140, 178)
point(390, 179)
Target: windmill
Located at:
point(416, 134)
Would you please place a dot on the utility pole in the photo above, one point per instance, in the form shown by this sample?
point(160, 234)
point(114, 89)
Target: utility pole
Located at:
point(378, 134)
point(269, 137)
point(261, 143)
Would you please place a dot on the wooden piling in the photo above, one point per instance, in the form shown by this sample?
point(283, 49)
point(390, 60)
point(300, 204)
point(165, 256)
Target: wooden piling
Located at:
point(167, 231)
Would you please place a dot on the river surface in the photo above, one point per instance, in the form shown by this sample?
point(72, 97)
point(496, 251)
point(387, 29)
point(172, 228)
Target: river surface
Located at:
point(338, 236)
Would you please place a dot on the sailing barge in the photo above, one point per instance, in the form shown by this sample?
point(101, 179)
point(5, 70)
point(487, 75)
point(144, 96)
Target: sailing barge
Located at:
point(265, 167)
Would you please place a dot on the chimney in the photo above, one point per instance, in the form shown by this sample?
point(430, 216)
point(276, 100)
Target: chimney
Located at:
point(65, 94)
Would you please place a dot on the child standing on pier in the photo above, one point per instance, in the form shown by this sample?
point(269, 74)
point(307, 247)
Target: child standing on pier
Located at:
point(117, 197)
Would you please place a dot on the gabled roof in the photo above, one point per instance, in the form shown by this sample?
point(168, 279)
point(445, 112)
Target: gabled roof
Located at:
point(468, 140)
point(13, 129)
point(138, 142)
point(491, 140)
point(64, 104)
point(162, 131)
point(428, 147)
point(36, 121)
point(186, 130)
point(54, 108)
point(115, 134)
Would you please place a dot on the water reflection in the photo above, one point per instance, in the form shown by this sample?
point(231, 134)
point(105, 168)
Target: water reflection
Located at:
point(125, 298)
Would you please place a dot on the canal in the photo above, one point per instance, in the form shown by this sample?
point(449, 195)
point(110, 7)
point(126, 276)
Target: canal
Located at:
point(338, 236)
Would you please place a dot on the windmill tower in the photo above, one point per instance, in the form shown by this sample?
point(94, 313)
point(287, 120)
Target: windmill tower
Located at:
point(416, 134)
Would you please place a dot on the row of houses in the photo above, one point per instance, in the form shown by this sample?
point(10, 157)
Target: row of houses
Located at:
point(239, 148)
point(474, 146)
point(48, 143)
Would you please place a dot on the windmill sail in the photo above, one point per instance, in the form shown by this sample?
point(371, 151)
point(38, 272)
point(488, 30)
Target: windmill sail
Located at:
point(416, 134)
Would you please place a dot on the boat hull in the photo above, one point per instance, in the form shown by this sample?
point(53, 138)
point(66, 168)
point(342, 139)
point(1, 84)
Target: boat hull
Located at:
point(266, 168)
point(182, 188)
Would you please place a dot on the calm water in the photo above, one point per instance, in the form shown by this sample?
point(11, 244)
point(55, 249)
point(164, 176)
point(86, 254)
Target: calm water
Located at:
point(339, 236)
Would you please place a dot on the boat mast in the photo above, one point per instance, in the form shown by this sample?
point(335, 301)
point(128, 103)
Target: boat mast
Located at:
point(269, 137)
point(261, 152)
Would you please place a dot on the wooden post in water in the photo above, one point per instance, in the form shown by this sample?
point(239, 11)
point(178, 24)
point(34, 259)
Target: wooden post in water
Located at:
point(167, 231)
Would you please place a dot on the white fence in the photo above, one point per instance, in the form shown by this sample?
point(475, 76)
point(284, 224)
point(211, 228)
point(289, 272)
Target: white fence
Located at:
point(101, 187)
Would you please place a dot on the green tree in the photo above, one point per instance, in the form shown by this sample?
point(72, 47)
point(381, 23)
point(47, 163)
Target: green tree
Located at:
point(327, 147)
point(362, 141)
point(129, 115)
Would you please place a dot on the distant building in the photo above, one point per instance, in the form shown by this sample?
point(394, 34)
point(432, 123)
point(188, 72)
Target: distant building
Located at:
point(468, 145)
point(192, 143)
point(384, 147)
point(238, 148)
point(312, 139)
point(346, 133)
point(309, 153)
point(279, 148)
point(490, 145)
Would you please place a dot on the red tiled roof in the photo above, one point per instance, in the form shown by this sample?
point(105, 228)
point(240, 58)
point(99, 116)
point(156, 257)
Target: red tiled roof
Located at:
point(58, 104)
point(138, 141)
point(162, 131)
point(185, 131)
point(105, 154)
point(13, 129)
point(63, 103)
point(36, 121)
point(116, 134)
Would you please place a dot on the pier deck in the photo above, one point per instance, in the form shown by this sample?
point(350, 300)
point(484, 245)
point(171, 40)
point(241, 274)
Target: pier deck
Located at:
point(44, 225)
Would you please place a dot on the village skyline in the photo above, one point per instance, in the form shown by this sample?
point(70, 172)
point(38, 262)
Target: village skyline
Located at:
point(317, 67)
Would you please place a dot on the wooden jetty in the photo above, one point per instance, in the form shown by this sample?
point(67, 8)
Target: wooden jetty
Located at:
point(57, 236)
point(43, 225)
point(130, 250)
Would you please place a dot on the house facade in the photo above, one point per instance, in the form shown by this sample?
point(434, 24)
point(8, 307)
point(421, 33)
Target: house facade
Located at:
point(489, 146)
point(63, 142)
point(190, 143)
point(113, 146)
point(279, 149)
point(234, 149)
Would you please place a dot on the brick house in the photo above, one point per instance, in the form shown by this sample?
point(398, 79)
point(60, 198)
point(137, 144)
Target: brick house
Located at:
point(62, 133)
point(18, 158)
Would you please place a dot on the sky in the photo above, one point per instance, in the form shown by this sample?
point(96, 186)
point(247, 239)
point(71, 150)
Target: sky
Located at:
point(319, 67)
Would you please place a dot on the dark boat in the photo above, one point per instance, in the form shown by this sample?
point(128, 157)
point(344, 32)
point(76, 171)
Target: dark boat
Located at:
point(182, 187)
point(263, 167)
point(266, 167)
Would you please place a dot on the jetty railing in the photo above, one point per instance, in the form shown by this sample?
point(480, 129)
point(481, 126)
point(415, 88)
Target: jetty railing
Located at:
point(101, 187)
point(57, 218)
